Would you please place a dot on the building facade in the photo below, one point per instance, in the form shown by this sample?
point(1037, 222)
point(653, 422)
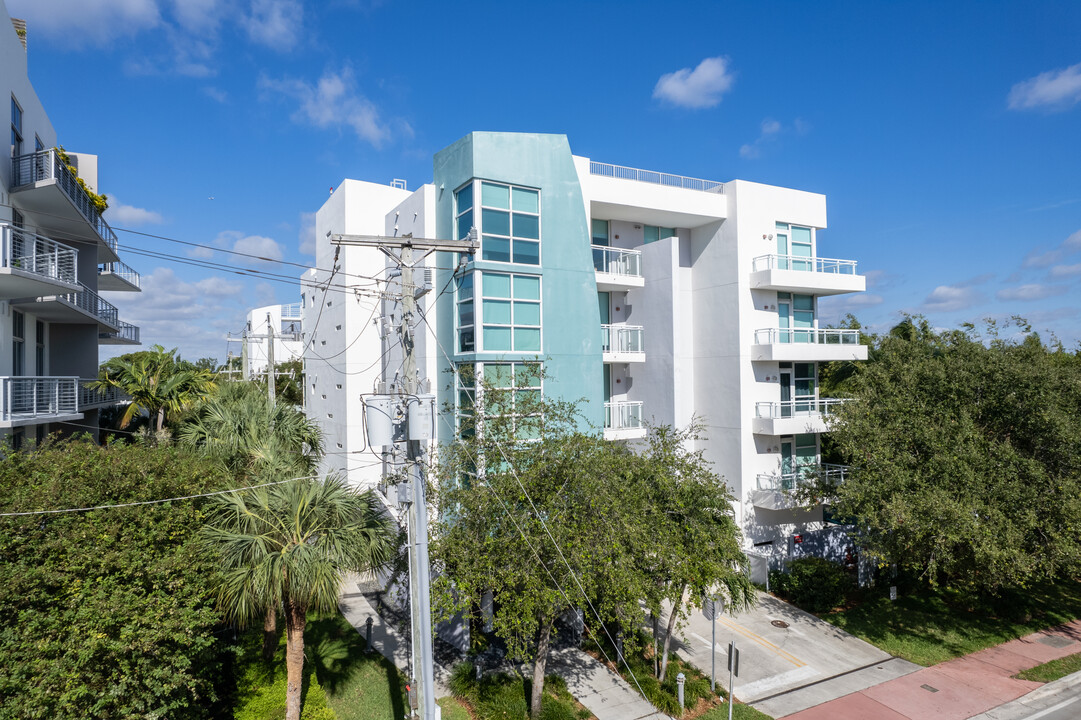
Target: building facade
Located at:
point(653, 297)
point(284, 324)
point(57, 253)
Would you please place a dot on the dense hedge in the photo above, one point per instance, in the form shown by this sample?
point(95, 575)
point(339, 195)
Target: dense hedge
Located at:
point(812, 583)
point(108, 613)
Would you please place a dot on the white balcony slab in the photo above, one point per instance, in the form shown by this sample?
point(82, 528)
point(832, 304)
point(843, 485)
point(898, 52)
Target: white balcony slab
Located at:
point(807, 352)
point(812, 283)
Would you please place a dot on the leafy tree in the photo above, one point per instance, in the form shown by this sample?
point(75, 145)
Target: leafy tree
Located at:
point(964, 456)
point(110, 612)
point(207, 363)
point(158, 381)
point(291, 545)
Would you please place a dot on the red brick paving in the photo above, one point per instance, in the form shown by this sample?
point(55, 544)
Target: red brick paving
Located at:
point(965, 686)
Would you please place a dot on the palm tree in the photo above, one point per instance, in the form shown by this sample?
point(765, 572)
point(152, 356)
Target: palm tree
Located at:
point(159, 383)
point(291, 545)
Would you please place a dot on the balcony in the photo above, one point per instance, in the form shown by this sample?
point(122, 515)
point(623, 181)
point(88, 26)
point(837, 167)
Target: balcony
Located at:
point(51, 197)
point(656, 178)
point(815, 276)
point(623, 421)
point(36, 400)
point(91, 398)
point(794, 417)
point(33, 265)
point(116, 276)
point(84, 307)
point(622, 344)
point(293, 311)
point(617, 269)
point(127, 334)
point(807, 345)
point(774, 489)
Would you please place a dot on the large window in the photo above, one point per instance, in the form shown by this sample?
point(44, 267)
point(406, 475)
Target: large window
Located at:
point(651, 233)
point(466, 315)
point(515, 392)
point(795, 317)
point(511, 312)
point(463, 218)
point(510, 224)
point(16, 128)
point(799, 389)
point(793, 244)
point(18, 343)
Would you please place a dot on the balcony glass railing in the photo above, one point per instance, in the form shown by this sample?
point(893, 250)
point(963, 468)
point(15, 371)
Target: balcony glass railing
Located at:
point(790, 481)
point(622, 415)
point(805, 264)
point(47, 165)
point(121, 270)
point(656, 178)
point(810, 407)
point(26, 398)
point(621, 339)
point(127, 332)
point(33, 253)
point(617, 261)
point(811, 336)
point(292, 311)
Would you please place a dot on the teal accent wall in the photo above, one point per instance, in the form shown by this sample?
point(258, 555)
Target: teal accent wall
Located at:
point(571, 332)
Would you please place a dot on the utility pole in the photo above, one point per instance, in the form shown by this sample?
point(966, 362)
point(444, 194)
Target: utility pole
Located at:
point(417, 514)
point(271, 375)
point(244, 375)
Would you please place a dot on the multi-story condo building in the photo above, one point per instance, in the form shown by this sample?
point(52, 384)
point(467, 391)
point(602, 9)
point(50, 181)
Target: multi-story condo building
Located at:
point(283, 323)
point(57, 253)
point(658, 298)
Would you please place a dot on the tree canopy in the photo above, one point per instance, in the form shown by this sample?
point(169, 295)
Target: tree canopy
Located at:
point(964, 455)
point(159, 382)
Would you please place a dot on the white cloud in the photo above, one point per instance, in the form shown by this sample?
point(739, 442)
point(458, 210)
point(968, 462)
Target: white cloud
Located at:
point(86, 21)
point(698, 88)
point(263, 248)
point(1052, 90)
point(1069, 246)
point(332, 101)
point(1061, 271)
point(202, 16)
point(950, 298)
point(277, 24)
point(835, 307)
point(216, 94)
point(769, 129)
point(307, 233)
point(120, 214)
point(265, 251)
point(1031, 291)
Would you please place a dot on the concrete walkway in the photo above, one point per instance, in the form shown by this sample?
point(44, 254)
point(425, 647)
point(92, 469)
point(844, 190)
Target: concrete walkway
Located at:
point(956, 689)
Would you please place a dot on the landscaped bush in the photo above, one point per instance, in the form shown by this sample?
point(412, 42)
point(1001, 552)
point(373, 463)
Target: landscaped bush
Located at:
point(504, 697)
point(812, 583)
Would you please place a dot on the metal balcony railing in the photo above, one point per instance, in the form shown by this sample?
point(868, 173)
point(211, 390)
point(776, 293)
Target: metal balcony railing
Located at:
point(617, 261)
point(121, 270)
point(126, 332)
point(292, 311)
point(622, 415)
point(26, 398)
point(798, 408)
point(47, 165)
point(656, 178)
point(790, 481)
point(621, 339)
point(774, 336)
point(806, 264)
point(33, 253)
point(88, 397)
point(93, 303)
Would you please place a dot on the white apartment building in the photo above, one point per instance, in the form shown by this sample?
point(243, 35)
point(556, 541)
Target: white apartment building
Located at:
point(658, 298)
point(56, 254)
point(283, 323)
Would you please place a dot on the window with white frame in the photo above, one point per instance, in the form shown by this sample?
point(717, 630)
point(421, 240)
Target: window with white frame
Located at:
point(466, 313)
point(510, 223)
point(463, 211)
point(795, 246)
point(510, 312)
point(510, 390)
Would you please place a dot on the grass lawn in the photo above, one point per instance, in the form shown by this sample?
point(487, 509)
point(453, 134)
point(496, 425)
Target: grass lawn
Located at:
point(1052, 670)
point(926, 627)
point(739, 712)
point(501, 696)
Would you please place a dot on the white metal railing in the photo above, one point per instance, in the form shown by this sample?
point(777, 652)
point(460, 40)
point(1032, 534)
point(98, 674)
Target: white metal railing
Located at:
point(656, 178)
point(47, 165)
point(621, 339)
point(89, 397)
point(622, 415)
point(617, 261)
point(790, 481)
point(33, 253)
point(88, 300)
point(811, 336)
point(121, 270)
point(24, 398)
point(292, 311)
point(829, 266)
point(798, 408)
point(126, 331)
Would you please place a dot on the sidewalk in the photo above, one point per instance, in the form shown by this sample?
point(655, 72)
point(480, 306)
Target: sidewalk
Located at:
point(956, 689)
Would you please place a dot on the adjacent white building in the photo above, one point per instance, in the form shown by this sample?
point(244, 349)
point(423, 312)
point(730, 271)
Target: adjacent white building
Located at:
point(57, 253)
point(656, 297)
point(283, 323)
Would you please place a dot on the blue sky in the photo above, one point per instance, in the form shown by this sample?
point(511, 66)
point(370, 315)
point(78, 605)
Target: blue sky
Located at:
point(946, 136)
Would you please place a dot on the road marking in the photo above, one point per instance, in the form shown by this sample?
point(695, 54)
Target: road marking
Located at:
point(762, 641)
point(1053, 708)
point(748, 692)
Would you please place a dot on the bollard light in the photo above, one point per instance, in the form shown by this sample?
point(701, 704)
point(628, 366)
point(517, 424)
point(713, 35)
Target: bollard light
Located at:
point(680, 680)
point(368, 633)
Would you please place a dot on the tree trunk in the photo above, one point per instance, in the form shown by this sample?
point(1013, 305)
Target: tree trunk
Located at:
point(671, 629)
point(538, 669)
point(295, 620)
point(161, 418)
point(270, 634)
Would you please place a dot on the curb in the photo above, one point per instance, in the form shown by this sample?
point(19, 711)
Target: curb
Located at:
point(1039, 699)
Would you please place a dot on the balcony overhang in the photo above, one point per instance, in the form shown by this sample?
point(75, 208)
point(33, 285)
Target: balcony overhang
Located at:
point(18, 283)
point(116, 282)
point(813, 283)
point(807, 352)
point(611, 282)
point(58, 309)
point(630, 433)
point(45, 204)
point(623, 357)
point(796, 425)
point(17, 420)
point(127, 334)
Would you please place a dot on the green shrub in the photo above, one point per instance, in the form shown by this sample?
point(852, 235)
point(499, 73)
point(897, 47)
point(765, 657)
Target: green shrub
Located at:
point(553, 709)
point(463, 680)
point(812, 583)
